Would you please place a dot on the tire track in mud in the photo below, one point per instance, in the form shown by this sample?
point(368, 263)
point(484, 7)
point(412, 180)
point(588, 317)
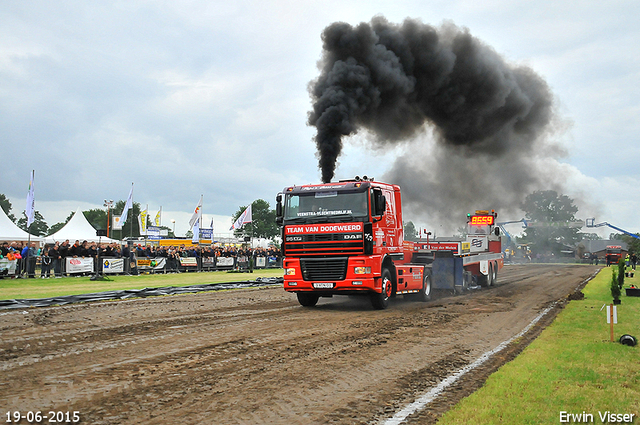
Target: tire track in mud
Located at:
point(255, 356)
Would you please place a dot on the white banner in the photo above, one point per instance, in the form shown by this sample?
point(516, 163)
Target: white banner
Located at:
point(224, 261)
point(117, 223)
point(188, 261)
point(478, 243)
point(261, 262)
point(10, 265)
point(113, 265)
point(79, 265)
point(245, 217)
point(142, 221)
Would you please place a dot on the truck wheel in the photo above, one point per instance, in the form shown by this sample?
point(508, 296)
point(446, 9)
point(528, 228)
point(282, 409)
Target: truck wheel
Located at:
point(307, 300)
point(488, 279)
point(425, 293)
point(467, 279)
point(495, 273)
point(490, 275)
point(381, 301)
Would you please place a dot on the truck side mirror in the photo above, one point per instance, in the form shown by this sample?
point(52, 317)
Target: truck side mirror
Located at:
point(279, 214)
point(497, 231)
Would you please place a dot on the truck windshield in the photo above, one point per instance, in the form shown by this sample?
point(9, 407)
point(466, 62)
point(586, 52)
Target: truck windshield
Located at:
point(325, 204)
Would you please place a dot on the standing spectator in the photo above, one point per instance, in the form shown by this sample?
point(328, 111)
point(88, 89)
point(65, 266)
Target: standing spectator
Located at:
point(634, 260)
point(56, 259)
point(45, 263)
point(75, 250)
point(64, 253)
point(31, 261)
point(24, 256)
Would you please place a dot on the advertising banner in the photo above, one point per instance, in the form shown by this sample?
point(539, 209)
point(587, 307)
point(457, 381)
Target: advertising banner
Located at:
point(79, 265)
point(188, 261)
point(151, 263)
point(153, 232)
point(224, 261)
point(208, 261)
point(9, 265)
point(117, 224)
point(261, 262)
point(478, 243)
point(142, 221)
point(206, 234)
point(113, 265)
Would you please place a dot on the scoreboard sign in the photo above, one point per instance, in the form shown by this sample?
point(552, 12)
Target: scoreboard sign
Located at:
point(482, 220)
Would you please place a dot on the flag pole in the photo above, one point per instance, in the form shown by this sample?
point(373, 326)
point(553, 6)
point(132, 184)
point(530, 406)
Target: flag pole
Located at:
point(131, 223)
point(30, 214)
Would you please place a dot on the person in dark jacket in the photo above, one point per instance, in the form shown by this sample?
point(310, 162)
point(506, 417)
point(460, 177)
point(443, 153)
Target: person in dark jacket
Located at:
point(56, 260)
point(75, 250)
point(45, 263)
point(31, 261)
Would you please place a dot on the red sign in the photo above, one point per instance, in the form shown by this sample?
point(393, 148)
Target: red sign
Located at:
point(482, 220)
point(305, 229)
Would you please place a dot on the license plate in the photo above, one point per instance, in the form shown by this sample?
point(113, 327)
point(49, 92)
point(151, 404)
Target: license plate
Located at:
point(323, 285)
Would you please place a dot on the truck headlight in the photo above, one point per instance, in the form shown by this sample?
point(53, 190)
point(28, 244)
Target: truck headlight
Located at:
point(362, 270)
point(289, 271)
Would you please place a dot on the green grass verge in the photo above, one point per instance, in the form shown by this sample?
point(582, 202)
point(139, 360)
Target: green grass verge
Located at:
point(46, 288)
point(572, 367)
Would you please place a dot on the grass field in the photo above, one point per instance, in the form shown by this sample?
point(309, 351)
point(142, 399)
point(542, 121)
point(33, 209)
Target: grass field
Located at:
point(44, 288)
point(572, 367)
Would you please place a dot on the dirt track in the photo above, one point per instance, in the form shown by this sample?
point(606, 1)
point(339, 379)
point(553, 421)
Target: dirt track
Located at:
point(255, 356)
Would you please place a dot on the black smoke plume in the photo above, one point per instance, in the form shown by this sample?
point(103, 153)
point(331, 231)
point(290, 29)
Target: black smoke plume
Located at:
point(415, 82)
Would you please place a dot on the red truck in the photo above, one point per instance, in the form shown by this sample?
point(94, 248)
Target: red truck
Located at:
point(346, 238)
point(613, 254)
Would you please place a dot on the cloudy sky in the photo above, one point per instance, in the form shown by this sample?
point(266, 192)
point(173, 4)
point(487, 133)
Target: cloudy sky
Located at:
point(209, 97)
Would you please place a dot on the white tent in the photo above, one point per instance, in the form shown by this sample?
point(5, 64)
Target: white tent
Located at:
point(77, 229)
point(10, 232)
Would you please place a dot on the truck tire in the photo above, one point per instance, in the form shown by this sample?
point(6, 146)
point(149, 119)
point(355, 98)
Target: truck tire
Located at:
point(306, 299)
point(495, 273)
point(425, 293)
point(381, 301)
point(487, 280)
point(467, 280)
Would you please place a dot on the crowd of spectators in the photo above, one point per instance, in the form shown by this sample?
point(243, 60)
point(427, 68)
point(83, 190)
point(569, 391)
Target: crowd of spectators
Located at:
point(52, 256)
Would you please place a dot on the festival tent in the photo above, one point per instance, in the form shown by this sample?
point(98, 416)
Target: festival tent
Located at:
point(77, 229)
point(10, 232)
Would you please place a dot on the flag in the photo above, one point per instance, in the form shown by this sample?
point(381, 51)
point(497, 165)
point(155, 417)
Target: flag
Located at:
point(196, 232)
point(158, 217)
point(31, 201)
point(128, 205)
point(211, 224)
point(245, 217)
point(197, 214)
point(142, 220)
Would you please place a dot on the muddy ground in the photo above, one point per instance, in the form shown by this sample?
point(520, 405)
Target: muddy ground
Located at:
point(254, 356)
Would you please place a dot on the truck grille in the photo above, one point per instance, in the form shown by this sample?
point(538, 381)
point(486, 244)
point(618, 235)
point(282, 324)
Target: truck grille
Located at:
point(324, 268)
point(328, 244)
